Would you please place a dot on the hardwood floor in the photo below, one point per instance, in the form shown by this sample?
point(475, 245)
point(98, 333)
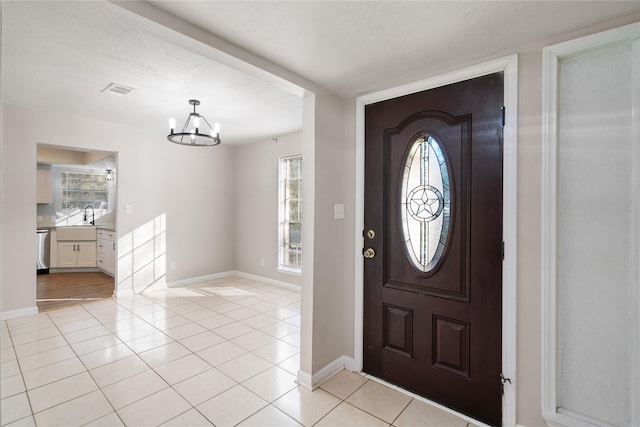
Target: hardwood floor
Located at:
point(57, 290)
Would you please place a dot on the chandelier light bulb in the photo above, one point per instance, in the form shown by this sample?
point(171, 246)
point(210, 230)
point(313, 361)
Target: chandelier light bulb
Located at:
point(196, 132)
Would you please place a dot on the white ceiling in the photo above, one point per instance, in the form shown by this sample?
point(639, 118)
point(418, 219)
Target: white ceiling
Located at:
point(60, 55)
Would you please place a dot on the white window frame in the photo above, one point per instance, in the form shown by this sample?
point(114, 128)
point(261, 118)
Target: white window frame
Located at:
point(283, 267)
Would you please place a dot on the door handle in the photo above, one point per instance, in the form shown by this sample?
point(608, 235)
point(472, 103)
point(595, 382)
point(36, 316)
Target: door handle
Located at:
point(369, 253)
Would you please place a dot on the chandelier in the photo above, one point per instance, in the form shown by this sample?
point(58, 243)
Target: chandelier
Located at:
point(194, 132)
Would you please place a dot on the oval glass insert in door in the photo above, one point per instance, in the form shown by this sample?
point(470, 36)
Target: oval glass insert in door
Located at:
point(425, 203)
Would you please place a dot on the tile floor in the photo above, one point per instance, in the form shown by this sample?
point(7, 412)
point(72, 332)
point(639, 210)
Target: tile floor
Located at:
point(222, 352)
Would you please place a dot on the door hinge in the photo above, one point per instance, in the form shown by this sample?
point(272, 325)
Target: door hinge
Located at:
point(502, 250)
point(503, 381)
point(504, 114)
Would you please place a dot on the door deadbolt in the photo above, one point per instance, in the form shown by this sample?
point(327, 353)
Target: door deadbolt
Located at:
point(371, 234)
point(369, 253)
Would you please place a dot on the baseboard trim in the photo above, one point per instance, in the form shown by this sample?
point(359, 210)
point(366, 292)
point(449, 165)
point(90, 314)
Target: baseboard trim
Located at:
point(325, 373)
point(268, 281)
point(198, 279)
point(12, 314)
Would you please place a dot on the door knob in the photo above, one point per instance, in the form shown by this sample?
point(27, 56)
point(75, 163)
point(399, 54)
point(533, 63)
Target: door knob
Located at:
point(369, 253)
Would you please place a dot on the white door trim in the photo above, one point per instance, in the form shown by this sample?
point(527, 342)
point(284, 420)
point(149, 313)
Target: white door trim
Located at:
point(509, 65)
point(551, 55)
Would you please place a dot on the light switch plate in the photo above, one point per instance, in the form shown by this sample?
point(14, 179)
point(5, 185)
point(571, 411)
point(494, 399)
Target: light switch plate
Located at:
point(338, 211)
point(127, 208)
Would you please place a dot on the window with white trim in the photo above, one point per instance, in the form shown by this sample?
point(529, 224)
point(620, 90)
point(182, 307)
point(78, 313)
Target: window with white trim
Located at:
point(290, 214)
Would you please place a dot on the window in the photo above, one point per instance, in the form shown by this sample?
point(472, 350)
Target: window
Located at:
point(80, 189)
point(290, 214)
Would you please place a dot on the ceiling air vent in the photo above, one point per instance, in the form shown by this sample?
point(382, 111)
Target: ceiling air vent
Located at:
point(117, 89)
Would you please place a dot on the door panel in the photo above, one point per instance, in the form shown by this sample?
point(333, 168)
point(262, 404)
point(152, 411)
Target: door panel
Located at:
point(432, 313)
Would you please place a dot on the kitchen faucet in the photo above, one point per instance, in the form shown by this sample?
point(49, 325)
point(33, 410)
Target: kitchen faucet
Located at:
point(93, 215)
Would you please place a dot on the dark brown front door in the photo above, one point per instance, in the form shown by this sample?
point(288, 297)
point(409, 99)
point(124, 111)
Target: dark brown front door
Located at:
point(433, 227)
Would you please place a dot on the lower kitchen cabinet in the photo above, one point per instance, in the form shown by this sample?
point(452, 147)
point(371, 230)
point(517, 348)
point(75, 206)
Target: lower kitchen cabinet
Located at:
point(107, 251)
point(76, 254)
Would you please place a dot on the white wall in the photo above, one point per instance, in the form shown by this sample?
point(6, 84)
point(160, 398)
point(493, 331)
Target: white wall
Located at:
point(256, 205)
point(191, 187)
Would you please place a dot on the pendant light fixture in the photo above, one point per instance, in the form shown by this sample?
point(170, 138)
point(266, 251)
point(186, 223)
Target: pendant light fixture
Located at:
point(194, 132)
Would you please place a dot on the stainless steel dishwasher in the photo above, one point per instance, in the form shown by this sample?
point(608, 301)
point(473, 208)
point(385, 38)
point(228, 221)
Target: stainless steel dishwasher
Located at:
point(42, 250)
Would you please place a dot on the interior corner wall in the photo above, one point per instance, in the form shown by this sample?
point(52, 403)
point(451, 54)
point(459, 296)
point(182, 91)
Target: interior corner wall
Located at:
point(256, 205)
point(329, 261)
point(192, 188)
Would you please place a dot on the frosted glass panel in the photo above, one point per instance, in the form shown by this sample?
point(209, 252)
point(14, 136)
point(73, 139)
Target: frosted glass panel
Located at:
point(425, 203)
point(596, 193)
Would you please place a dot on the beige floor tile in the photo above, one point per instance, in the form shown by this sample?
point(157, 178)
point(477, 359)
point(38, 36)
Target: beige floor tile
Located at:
point(139, 331)
point(41, 323)
point(201, 341)
point(181, 369)
point(155, 409)
point(39, 346)
point(47, 357)
point(149, 342)
point(269, 417)
point(281, 313)
point(61, 312)
point(109, 420)
point(118, 370)
point(379, 400)
point(253, 340)
point(203, 313)
point(291, 364)
point(125, 324)
point(293, 339)
point(348, 416)
point(427, 415)
point(233, 330)
point(106, 355)
point(24, 422)
point(271, 384)
point(259, 321)
point(9, 368)
point(343, 384)
point(231, 407)
point(244, 367)
point(263, 306)
point(166, 323)
point(7, 354)
point(95, 344)
point(190, 418)
point(86, 334)
point(164, 354)
point(51, 373)
point(215, 321)
point(226, 307)
point(276, 351)
point(305, 406)
point(204, 386)
point(78, 325)
point(36, 335)
point(11, 385)
point(61, 391)
point(134, 388)
point(185, 331)
point(241, 313)
point(221, 353)
point(14, 408)
point(78, 411)
point(279, 329)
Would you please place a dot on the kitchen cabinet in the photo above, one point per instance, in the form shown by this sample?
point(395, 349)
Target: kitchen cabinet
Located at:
point(43, 182)
point(107, 251)
point(76, 254)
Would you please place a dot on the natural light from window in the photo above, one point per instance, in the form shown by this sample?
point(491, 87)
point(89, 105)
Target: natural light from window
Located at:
point(290, 215)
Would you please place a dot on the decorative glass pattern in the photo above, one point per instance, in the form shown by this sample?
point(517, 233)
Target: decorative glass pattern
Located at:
point(425, 203)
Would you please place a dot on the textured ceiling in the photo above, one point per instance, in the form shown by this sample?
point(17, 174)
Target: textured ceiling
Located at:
point(353, 47)
point(60, 55)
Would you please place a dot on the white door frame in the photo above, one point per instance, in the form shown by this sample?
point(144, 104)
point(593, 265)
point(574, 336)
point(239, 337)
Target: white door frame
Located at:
point(509, 65)
point(551, 56)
